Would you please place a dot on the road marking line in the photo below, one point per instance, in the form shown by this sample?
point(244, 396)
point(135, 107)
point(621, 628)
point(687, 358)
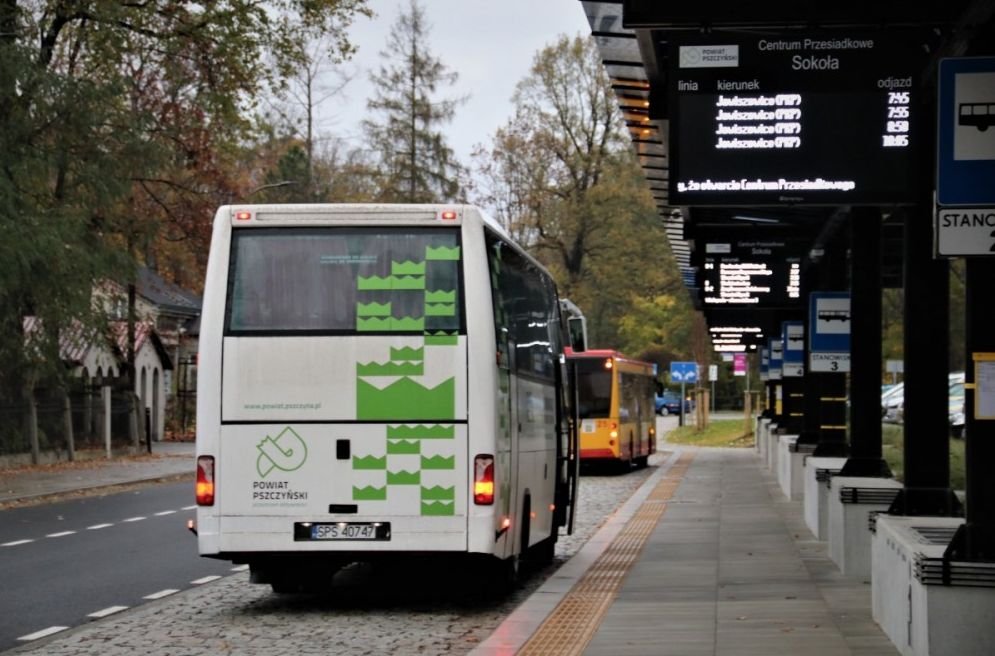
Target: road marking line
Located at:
point(165, 512)
point(59, 535)
point(15, 543)
point(239, 568)
point(44, 632)
point(160, 594)
point(134, 519)
point(110, 610)
point(97, 526)
point(189, 508)
point(206, 579)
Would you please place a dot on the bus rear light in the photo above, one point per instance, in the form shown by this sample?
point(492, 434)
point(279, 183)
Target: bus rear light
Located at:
point(243, 216)
point(205, 481)
point(613, 434)
point(506, 523)
point(483, 480)
point(552, 507)
point(608, 363)
point(447, 215)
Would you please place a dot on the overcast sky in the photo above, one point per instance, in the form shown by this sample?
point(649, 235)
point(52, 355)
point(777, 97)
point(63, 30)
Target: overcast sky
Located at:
point(489, 43)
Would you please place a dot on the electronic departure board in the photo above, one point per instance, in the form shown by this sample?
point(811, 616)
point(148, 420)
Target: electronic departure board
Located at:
point(794, 118)
point(752, 273)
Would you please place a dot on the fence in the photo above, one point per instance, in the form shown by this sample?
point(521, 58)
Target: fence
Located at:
point(54, 425)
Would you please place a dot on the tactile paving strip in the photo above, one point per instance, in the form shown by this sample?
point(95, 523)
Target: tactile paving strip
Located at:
point(577, 617)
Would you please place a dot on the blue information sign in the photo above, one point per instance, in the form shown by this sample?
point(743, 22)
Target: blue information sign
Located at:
point(965, 157)
point(793, 352)
point(684, 372)
point(776, 347)
point(829, 331)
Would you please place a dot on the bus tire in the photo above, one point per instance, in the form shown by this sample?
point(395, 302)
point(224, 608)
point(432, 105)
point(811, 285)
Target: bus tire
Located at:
point(504, 574)
point(543, 552)
point(526, 533)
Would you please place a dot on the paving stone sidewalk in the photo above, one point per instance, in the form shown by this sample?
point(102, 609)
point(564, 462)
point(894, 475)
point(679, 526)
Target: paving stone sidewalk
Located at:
point(168, 460)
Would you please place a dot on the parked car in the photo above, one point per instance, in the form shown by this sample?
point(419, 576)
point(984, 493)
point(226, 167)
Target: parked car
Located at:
point(892, 404)
point(955, 404)
point(670, 404)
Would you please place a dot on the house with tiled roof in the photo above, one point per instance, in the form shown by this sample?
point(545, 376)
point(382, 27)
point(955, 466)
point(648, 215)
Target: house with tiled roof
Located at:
point(174, 315)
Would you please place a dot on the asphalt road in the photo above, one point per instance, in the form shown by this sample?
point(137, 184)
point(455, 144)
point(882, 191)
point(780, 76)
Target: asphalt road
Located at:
point(68, 563)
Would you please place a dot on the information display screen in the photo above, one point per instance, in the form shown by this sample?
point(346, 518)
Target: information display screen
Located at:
point(752, 273)
point(798, 119)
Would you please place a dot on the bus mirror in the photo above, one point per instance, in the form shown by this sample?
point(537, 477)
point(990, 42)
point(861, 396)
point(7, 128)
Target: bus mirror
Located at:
point(578, 334)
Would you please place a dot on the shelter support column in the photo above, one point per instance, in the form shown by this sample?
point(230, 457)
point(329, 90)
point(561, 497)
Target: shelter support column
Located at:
point(865, 346)
point(825, 393)
point(927, 334)
point(975, 540)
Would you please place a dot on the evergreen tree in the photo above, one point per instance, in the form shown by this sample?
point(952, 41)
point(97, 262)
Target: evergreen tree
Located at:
point(418, 166)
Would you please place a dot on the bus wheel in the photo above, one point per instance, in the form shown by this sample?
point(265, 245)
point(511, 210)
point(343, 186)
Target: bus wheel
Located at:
point(642, 461)
point(504, 574)
point(293, 584)
point(542, 553)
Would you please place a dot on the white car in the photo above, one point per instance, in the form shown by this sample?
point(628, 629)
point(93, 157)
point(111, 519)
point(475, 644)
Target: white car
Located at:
point(892, 404)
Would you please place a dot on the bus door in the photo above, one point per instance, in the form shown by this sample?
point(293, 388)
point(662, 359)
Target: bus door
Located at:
point(567, 444)
point(512, 498)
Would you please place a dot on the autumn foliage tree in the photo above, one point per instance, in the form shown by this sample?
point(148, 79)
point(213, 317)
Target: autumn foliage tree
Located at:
point(120, 125)
point(562, 176)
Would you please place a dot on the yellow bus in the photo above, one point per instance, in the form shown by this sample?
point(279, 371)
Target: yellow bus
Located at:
point(616, 407)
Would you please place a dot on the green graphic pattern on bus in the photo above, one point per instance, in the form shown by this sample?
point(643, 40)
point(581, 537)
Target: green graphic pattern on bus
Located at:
point(369, 462)
point(390, 324)
point(441, 338)
point(403, 477)
point(407, 268)
point(406, 399)
point(438, 462)
point(390, 283)
point(440, 296)
point(440, 309)
point(403, 441)
point(391, 369)
point(369, 493)
point(403, 447)
point(420, 432)
point(442, 253)
point(373, 309)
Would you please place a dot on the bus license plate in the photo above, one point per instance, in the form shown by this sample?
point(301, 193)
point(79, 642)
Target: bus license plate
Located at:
point(349, 531)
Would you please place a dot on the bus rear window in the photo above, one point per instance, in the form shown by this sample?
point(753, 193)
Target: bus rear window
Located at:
point(344, 280)
point(594, 388)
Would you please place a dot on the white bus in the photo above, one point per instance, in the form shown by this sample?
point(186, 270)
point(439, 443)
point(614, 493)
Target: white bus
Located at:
point(378, 381)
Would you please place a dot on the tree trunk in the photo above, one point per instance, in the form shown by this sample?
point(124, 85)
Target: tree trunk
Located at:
point(31, 421)
point(67, 418)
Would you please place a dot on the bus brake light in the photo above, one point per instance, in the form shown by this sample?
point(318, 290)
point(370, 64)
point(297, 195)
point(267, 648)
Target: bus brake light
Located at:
point(483, 480)
point(205, 481)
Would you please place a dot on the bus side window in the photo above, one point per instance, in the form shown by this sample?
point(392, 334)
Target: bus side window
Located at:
point(498, 302)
